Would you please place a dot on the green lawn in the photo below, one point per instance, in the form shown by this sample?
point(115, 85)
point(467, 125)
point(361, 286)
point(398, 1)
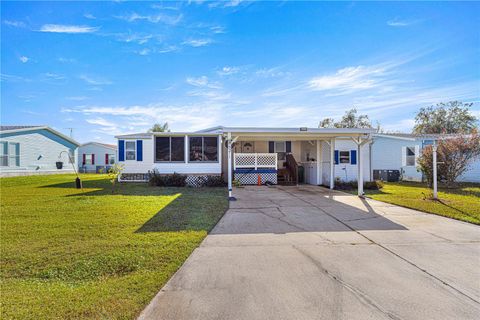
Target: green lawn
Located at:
point(70, 254)
point(461, 203)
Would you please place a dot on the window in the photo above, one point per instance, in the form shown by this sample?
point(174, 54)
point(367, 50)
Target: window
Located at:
point(130, 150)
point(169, 149)
point(344, 157)
point(88, 159)
point(280, 149)
point(410, 156)
point(9, 154)
point(4, 154)
point(111, 159)
point(203, 148)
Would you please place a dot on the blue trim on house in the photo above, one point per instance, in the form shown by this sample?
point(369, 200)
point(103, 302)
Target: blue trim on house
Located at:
point(44, 132)
point(121, 150)
point(139, 150)
point(255, 171)
point(353, 156)
point(336, 156)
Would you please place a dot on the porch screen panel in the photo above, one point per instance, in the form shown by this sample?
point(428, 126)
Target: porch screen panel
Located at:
point(196, 153)
point(210, 149)
point(162, 149)
point(178, 149)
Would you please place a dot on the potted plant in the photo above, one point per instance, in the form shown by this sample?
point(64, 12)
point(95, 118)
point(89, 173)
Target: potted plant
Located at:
point(59, 164)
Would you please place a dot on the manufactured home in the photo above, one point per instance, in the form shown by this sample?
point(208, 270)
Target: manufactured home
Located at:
point(316, 156)
point(27, 150)
point(399, 153)
point(95, 157)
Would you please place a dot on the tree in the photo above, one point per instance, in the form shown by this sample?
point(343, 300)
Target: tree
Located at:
point(349, 120)
point(157, 127)
point(453, 157)
point(450, 117)
point(113, 173)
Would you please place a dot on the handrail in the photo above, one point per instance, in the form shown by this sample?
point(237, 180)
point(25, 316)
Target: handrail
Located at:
point(292, 167)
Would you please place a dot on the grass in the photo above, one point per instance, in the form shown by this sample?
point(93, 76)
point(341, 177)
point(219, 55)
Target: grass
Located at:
point(461, 203)
point(71, 254)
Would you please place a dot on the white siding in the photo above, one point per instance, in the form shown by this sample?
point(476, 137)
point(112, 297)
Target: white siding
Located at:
point(148, 163)
point(390, 154)
point(39, 153)
point(99, 151)
point(473, 172)
point(349, 172)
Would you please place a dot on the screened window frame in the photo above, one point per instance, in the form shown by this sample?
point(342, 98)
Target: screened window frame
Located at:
point(348, 156)
point(134, 150)
point(410, 159)
point(4, 154)
point(203, 150)
point(169, 150)
point(86, 159)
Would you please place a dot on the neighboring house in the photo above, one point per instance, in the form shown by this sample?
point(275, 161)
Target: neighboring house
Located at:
point(96, 157)
point(401, 151)
point(265, 154)
point(27, 150)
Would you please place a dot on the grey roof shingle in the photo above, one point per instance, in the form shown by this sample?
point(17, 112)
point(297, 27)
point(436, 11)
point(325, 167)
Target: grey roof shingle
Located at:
point(5, 128)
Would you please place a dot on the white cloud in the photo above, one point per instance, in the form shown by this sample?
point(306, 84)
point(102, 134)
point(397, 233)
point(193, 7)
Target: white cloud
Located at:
point(168, 48)
point(405, 125)
point(58, 28)
point(157, 18)
point(13, 78)
point(95, 81)
point(400, 23)
point(197, 42)
point(77, 98)
point(66, 60)
point(101, 122)
point(271, 72)
point(89, 16)
point(13, 23)
point(217, 29)
point(144, 52)
point(54, 76)
point(227, 70)
point(135, 37)
point(203, 82)
point(24, 59)
point(350, 78)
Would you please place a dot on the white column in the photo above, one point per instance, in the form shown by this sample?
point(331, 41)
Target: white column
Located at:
point(360, 169)
point(319, 163)
point(332, 163)
point(229, 149)
point(435, 194)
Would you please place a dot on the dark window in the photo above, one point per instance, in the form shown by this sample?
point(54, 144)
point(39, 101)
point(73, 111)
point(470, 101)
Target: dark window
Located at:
point(344, 156)
point(203, 149)
point(169, 149)
point(162, 149)
point(210, 152)
point(178, 149)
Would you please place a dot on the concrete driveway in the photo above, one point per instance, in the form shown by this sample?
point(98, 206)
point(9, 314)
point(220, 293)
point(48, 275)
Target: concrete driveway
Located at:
point(308, 253)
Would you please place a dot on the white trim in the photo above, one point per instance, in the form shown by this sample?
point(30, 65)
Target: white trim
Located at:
point(393, 137)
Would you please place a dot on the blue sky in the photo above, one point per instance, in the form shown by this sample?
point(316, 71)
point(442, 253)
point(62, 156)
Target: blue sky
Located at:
point(105, 68)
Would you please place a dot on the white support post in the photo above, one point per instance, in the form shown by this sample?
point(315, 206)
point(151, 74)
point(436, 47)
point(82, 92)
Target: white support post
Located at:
point(229, 150)
point(319, 163)
point(359, 168)
point(186, 143)
point(332, 163)
point(434, 149)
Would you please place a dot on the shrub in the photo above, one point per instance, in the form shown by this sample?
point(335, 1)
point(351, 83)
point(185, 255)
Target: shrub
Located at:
point(352, 185)
point(169, 180)
point(212, 181)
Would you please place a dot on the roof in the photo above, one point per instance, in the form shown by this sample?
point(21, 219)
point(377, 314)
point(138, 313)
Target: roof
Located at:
point(8, 128)
point(106, 145)
point(20, 129)
point(302, 130)
point(415, 136)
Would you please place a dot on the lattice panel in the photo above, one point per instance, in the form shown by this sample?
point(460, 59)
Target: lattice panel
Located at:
point(267, 160)
point(252, 178)
point(245, 160)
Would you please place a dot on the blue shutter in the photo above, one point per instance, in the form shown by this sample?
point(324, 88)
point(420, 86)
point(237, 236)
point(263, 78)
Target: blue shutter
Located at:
point(139, 150)
point(353, 156)
point(121, 150)
point(271, 147)
point(336, 156)
point(288, 146)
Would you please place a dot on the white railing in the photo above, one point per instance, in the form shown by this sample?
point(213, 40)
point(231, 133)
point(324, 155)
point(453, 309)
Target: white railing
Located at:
point(255, 160)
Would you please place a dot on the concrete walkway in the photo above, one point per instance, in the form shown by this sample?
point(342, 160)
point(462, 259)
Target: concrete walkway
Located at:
point(308, 253)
